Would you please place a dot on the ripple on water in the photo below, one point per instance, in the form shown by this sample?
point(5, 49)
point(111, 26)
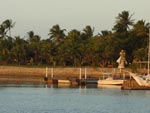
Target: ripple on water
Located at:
point(72, 100)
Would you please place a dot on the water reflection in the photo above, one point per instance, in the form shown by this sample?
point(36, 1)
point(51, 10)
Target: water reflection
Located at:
point(109, 86)
point(83, 89)
point(23, 85)
point(62, 86)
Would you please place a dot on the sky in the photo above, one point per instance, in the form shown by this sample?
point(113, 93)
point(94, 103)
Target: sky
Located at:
point(40, 15)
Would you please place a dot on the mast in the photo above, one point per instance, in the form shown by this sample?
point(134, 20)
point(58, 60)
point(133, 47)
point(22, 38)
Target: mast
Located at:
point(148, 73)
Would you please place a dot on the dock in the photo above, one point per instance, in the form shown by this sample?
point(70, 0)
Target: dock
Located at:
point(80, 76)
point(136, 82)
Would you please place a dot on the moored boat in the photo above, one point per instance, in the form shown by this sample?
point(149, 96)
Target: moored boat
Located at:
point(110, 81)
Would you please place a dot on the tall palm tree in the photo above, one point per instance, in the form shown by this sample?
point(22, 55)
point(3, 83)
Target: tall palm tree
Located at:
point(18, 51)
point(123, 21)
point(141, 28)
point(30, 34)
point(69, 51)
point(34, 43)
point(6, 45)
point(56, 33)
point(45, 51)
point(88, 31)
point(8, 24)
point(2, 31)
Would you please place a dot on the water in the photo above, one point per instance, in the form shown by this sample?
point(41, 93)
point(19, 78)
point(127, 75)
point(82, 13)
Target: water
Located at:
point(72, 100)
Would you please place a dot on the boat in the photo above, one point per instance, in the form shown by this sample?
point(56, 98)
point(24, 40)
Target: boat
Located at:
point(110, 81)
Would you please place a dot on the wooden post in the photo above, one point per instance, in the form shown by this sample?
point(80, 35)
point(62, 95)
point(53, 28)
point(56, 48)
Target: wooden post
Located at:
point(52, 73)
point(80, 74)
point(85, 74)
point(46, 73)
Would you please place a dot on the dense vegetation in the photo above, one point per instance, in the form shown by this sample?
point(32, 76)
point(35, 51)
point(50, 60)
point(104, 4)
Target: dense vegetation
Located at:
point(76, 48)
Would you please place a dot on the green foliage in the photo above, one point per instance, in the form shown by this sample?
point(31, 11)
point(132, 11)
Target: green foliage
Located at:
point(123, 21)
point(77, 48)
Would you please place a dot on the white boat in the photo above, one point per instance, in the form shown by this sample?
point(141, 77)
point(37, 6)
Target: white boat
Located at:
point(110, 81)
point(109, 86)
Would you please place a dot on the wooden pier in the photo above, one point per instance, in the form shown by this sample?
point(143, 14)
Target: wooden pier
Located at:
point(136, 82)
point(83, 76)
point(131, 84)
point(81, 79)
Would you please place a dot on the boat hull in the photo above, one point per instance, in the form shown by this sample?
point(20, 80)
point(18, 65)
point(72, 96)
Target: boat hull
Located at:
point(110, 82)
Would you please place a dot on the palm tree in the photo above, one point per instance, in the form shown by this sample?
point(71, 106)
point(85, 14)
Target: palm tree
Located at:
point(56, 33)
point(2, 31)
point(34, 43)
point(70, 50)
point(30, 34)
point(6, 45)
point(45, 51)
point(8, 24)
point(141, 28)
point(123, 21)
point(19, 50)
point(104, 33)
point(88, 31)
point(74, 34)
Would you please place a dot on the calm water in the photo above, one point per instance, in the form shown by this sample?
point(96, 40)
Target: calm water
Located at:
point(72, 100)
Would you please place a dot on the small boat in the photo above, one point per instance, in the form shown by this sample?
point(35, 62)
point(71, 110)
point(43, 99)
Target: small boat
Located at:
point(110, 81)
point(64, 82)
